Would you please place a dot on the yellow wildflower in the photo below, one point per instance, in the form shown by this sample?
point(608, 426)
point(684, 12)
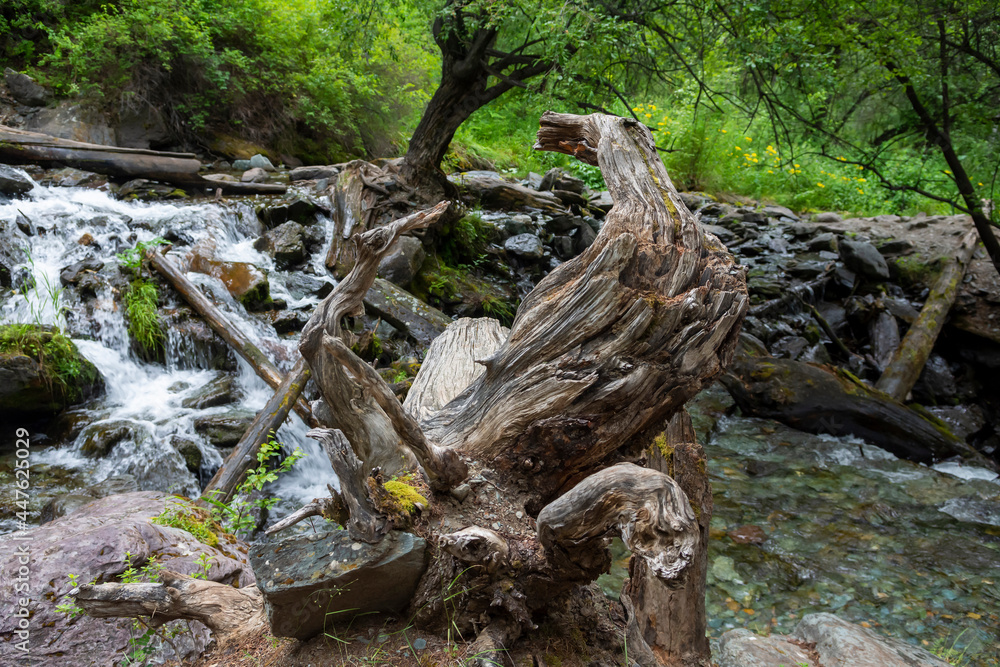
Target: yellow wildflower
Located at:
point(723, 131)
point(947, 172)
point(821, 185)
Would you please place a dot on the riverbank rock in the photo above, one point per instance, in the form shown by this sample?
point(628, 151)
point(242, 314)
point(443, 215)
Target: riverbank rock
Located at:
point(245, 282)
point(92, 543)
point(821, 640)
point(225, 429)
point(67, 503)
point(864, 258)
point(405, 312)
point(25, 90)
point(42, 372)
point(306, 579)
point(403, 261)
point(285, 243)
point(13, 182)
point(70, 120)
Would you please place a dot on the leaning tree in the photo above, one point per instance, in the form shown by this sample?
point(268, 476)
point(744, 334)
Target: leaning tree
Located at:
point(554, 417)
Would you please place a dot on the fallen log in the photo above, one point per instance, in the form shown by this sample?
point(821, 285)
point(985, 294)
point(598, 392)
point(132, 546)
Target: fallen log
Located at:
point(20, 147)
point(908, 362)
point(817, 399)
point(230, 474)
point(227, 611)
point(242, 345)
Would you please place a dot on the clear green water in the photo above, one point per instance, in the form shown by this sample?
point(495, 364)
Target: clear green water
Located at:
point(848, 529)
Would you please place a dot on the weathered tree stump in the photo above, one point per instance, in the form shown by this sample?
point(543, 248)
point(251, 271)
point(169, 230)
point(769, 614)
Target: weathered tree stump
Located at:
point(601, 355)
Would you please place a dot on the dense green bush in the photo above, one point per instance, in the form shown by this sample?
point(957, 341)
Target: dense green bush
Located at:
point(320, 78)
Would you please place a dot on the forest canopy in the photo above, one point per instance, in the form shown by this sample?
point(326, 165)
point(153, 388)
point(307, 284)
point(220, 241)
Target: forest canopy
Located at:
point(809, 103)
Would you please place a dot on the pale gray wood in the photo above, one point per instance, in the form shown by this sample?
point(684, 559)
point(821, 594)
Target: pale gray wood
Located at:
point(364, 522)
point(645, 507)
point(227, 611)
point(451, 364)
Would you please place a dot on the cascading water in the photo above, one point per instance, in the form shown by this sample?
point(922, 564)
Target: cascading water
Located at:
point(143, 400)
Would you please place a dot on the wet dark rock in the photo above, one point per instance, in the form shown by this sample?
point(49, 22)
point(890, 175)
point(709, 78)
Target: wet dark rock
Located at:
point(254, 175)
point(143, 127)
point(779, 212)
point(406, 312)
point(297, 210)
point(44, 374)
point(189, 450)
point(220, 391)
point(527, 246)
point(584, 237)
point(570, 198)
point(962, 420)
point(92, 543)
point(25, 90)
point(560, 224)
point(896, 247)
point(288, 321)
point(695, 200)
point(100, 437)
point(13, 182)
point(225, 429)
point(301, 285)
point(601, 201)
point(306, 579)
point(807, 270)
point(826, 241)
point(724, 234)
point(752, 216)
point(145, 190)
point(193, 344)
point(72, 274)
point(936, 383)
point(67, 503)
point(314, 173)
point(790, 347)
point(285, 243)
point(562, 246)
point(403, 261)
point(13, 241)
point(245, 282)
point(518, 223)
point(557, 179)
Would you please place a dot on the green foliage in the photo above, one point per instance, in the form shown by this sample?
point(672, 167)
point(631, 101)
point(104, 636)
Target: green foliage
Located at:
point(144, 323)
point(192, 519)
point(60, 361)
point(322, 76)
point(237, 515)
point(465, 240)
point(133, 258)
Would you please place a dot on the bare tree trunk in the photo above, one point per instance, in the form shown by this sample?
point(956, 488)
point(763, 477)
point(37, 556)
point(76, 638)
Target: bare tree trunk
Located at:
point(908, 362)
point(672, 620)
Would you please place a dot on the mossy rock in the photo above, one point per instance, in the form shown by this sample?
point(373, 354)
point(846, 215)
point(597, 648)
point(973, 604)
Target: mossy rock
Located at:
point(42, 372)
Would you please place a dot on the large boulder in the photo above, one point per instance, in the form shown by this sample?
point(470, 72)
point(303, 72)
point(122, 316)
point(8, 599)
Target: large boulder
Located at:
point(403, 261)
point(225, 429)
point(864, 258)
point(405, 312)
point(67, 503)
point(312, 580)
point(70, 120)
point(13, 243)
point(24, 89)
point(92, 543)
point(245, 282)
point(525, 246)
point(285, 243)
point(41, 372)
point(144, 127)
point(821, 640)
point(13, 182)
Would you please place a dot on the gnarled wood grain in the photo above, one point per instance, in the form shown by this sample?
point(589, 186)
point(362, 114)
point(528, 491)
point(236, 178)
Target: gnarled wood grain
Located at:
point(613, 341)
